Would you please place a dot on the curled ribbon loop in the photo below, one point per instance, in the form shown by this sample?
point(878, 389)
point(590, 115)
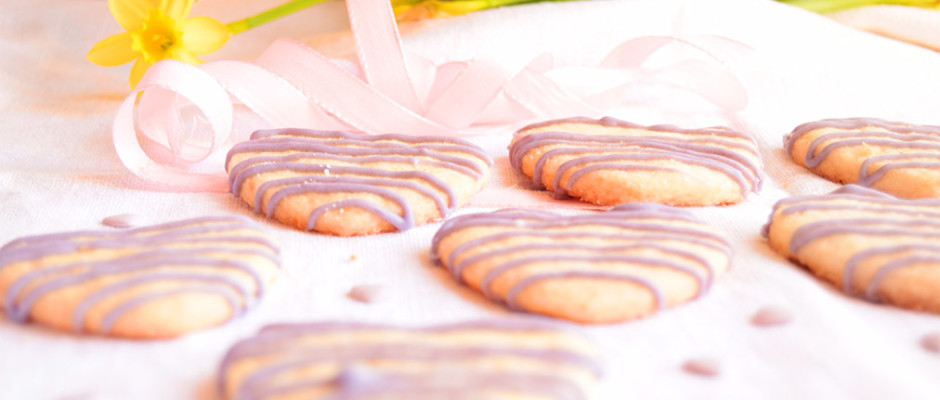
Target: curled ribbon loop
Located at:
point(200, 90)
point(176, 127)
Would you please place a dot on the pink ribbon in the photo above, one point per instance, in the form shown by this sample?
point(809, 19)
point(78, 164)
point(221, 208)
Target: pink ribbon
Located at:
point(177, 125)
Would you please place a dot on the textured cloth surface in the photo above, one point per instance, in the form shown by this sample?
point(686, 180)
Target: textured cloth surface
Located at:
point(58, 171)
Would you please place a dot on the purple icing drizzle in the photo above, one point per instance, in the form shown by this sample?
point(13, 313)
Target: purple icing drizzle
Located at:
point(919, 227)
point(495, 273)
point(344, 167)
point(712, 148)
point(288, 349)
point(536, 278)
point(351, 183)
point(895, 162)
point(112, 316)
point(639, 226)
point(407, 387)
point(156, 253)
point(19, 310)
point(261, 382)
point(897, 136)
point(61, 243)
point(932, 255)
point(459, 267)
point(78, 315)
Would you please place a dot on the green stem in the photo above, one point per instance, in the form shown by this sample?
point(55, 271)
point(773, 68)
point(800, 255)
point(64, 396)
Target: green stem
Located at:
point(270, 15)
point(827, 6)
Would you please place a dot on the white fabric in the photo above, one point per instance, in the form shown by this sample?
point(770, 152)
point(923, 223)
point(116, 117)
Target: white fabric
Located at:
point(58, 171)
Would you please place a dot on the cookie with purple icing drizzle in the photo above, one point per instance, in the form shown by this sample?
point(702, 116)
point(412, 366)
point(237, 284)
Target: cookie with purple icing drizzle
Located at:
point(476, 360)
point(151, 282)
point(609, 162)
point(894, 157)
point(869, 243)
point(350, 184)
point(606, 267)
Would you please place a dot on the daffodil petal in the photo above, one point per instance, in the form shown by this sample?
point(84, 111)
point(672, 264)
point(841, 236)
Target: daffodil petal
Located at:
point(176, 9)
point(130, 13)
point(202, 35)
point(140, 67)
point(112, 50)
point(185, 56)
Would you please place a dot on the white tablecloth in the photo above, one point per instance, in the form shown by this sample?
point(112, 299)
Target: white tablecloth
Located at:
point(58, 171)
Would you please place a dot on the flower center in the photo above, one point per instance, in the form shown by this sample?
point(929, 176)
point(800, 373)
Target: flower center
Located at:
point(158, 36)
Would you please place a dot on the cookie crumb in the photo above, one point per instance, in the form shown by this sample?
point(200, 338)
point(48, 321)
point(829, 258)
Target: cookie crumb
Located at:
point(122, 221)
point(707, 367)
point(352, 257)
point(365, 293)
point(771, 316)
point(931, 342)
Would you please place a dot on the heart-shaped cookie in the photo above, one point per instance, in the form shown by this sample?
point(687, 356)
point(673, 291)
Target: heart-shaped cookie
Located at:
point(894, 157)
point(152, 282)
point(350, 184)
point(609, 162)
point(606, 267)
point(477, 360)
point(868, 242)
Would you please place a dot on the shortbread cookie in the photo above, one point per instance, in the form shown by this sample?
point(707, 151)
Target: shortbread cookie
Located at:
point(894, 157)
point(609, 162)
point(600, 268)
point(870, 243)
point(348, 184)
point(479, 360)
point(151, 282)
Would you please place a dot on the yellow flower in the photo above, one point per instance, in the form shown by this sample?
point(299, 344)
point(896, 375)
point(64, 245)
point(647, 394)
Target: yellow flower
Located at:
point(412, 10)
point(157, 30)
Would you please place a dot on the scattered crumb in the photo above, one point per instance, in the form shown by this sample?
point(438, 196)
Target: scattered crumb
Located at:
point(123, 220)
point(352, 257)
point(771, 316)
point(931, 342)
point(365, 293)
point(707, 367)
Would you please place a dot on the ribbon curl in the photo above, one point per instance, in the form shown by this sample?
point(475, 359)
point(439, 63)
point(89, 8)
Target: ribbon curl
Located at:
point(184, 119)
